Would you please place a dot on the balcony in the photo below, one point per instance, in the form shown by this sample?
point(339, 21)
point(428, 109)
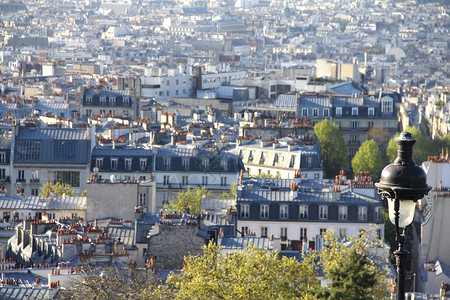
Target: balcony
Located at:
point(4, 179)
point(354, 143)
point(34, 180)
point(21, 180)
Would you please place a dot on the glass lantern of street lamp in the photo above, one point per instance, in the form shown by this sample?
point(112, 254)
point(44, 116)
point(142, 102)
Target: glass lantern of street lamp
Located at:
point(403, 182)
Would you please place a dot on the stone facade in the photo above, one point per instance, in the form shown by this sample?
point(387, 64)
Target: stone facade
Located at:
point(171, 243)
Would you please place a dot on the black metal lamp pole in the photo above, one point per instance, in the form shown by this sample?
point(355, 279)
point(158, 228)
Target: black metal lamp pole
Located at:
point(402, 183)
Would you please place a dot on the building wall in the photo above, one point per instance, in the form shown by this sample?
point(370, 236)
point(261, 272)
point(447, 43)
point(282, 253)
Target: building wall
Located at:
point(171, 243)
point(106, 200)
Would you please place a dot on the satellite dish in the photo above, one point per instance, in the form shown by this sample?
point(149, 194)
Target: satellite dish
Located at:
point(95, 170)
point(112, 178)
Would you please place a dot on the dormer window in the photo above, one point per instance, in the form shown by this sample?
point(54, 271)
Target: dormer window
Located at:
point(88, 100)
point(304, 112)
point(205, 164)
point(185, 164)
point(371, 111)
point(354, 111)
point(386, 105)
point(224, 164)
point(143, 163)
point(166, 164)
point(112, 101)
point(326, 112)
point(339, 111)
point(102, 101)
point(126, 101)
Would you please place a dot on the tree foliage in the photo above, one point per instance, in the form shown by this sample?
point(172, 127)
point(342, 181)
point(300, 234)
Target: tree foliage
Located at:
point(190, 199)
point(57, 189)
point(332, 146)
point(252, 273)
point(337, 259)
point(422, 148)
point(111, 282)
point(231, 194)
point(368, 158)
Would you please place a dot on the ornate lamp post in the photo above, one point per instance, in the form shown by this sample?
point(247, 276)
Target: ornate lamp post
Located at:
point(402, 183)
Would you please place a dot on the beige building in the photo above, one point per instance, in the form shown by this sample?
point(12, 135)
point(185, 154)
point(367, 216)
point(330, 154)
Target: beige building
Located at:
point(337, 70)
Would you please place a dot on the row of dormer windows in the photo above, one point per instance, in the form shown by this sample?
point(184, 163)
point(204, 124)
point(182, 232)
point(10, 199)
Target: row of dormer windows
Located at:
point(303, 212)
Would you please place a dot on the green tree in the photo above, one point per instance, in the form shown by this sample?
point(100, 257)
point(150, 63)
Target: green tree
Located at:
point(422, 148)
point(336, 260)
point(351, 281)
point(368, 158)
point(252, 273)
point(57, 189)
point(265, 175)
point(332, 146)
point(231, 194)
point(190, 199)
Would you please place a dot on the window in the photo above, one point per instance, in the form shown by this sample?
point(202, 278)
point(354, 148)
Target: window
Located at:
point(223, 181)
point(264, 210)
point(185, 164)
point(315, 112)
point(323, 212)
point(166, 180)
point(244, 230)
point(378, 213)
point(177, 81)
point(64, 150)
point(126, 101)
point(303, 234)
point(284, 211)
point(102, 101)
point(303, 212)
point(322, 231)
point(326, 112)
point(339, 111)
point(28, 150)
point(166, 164)
point(184, 180)
point(69, 177)
point(114, 163)
point(342, 232)
point(354, 111)
point(355, 124)
point(354, 139)
point(143, 163)
point(263, 158)
point(2, 157)
point(34, 176)
point(338, 123)
point(370, 124)
point(263, 231)
point(371, 111)
point(304, 112)
point(224, 164)
point(380, 233)
point(88, 100)
point(205, 164)
point(88, 112)
point(34, 192)
point(292, 162)
point(102, 112)
point(362, 213)
point(142, 199)
point(343, 212)
point(245, 210)
point(316, 175)
point(112, 101)
point(283, 232)
point(142, 178)
point(21, 175)
point(386, 124)
point(204, 180)
point(275, 159)
point(128, 164)
point(2, 174)
point(176, 93)
point(99, 163)
point(386, 105)
point(250, 156)
point(168, 94)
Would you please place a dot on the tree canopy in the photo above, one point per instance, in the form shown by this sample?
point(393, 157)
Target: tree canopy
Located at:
point(332, 146)
point(57, 189)
point(351, 270)
point(190, 199)
point(368, 158)
point(423, 147)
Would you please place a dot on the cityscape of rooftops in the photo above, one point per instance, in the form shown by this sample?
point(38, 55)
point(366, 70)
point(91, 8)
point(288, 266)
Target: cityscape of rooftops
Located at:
point(224, 149)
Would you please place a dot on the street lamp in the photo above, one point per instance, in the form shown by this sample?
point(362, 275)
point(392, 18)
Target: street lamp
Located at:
point(402, 183)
